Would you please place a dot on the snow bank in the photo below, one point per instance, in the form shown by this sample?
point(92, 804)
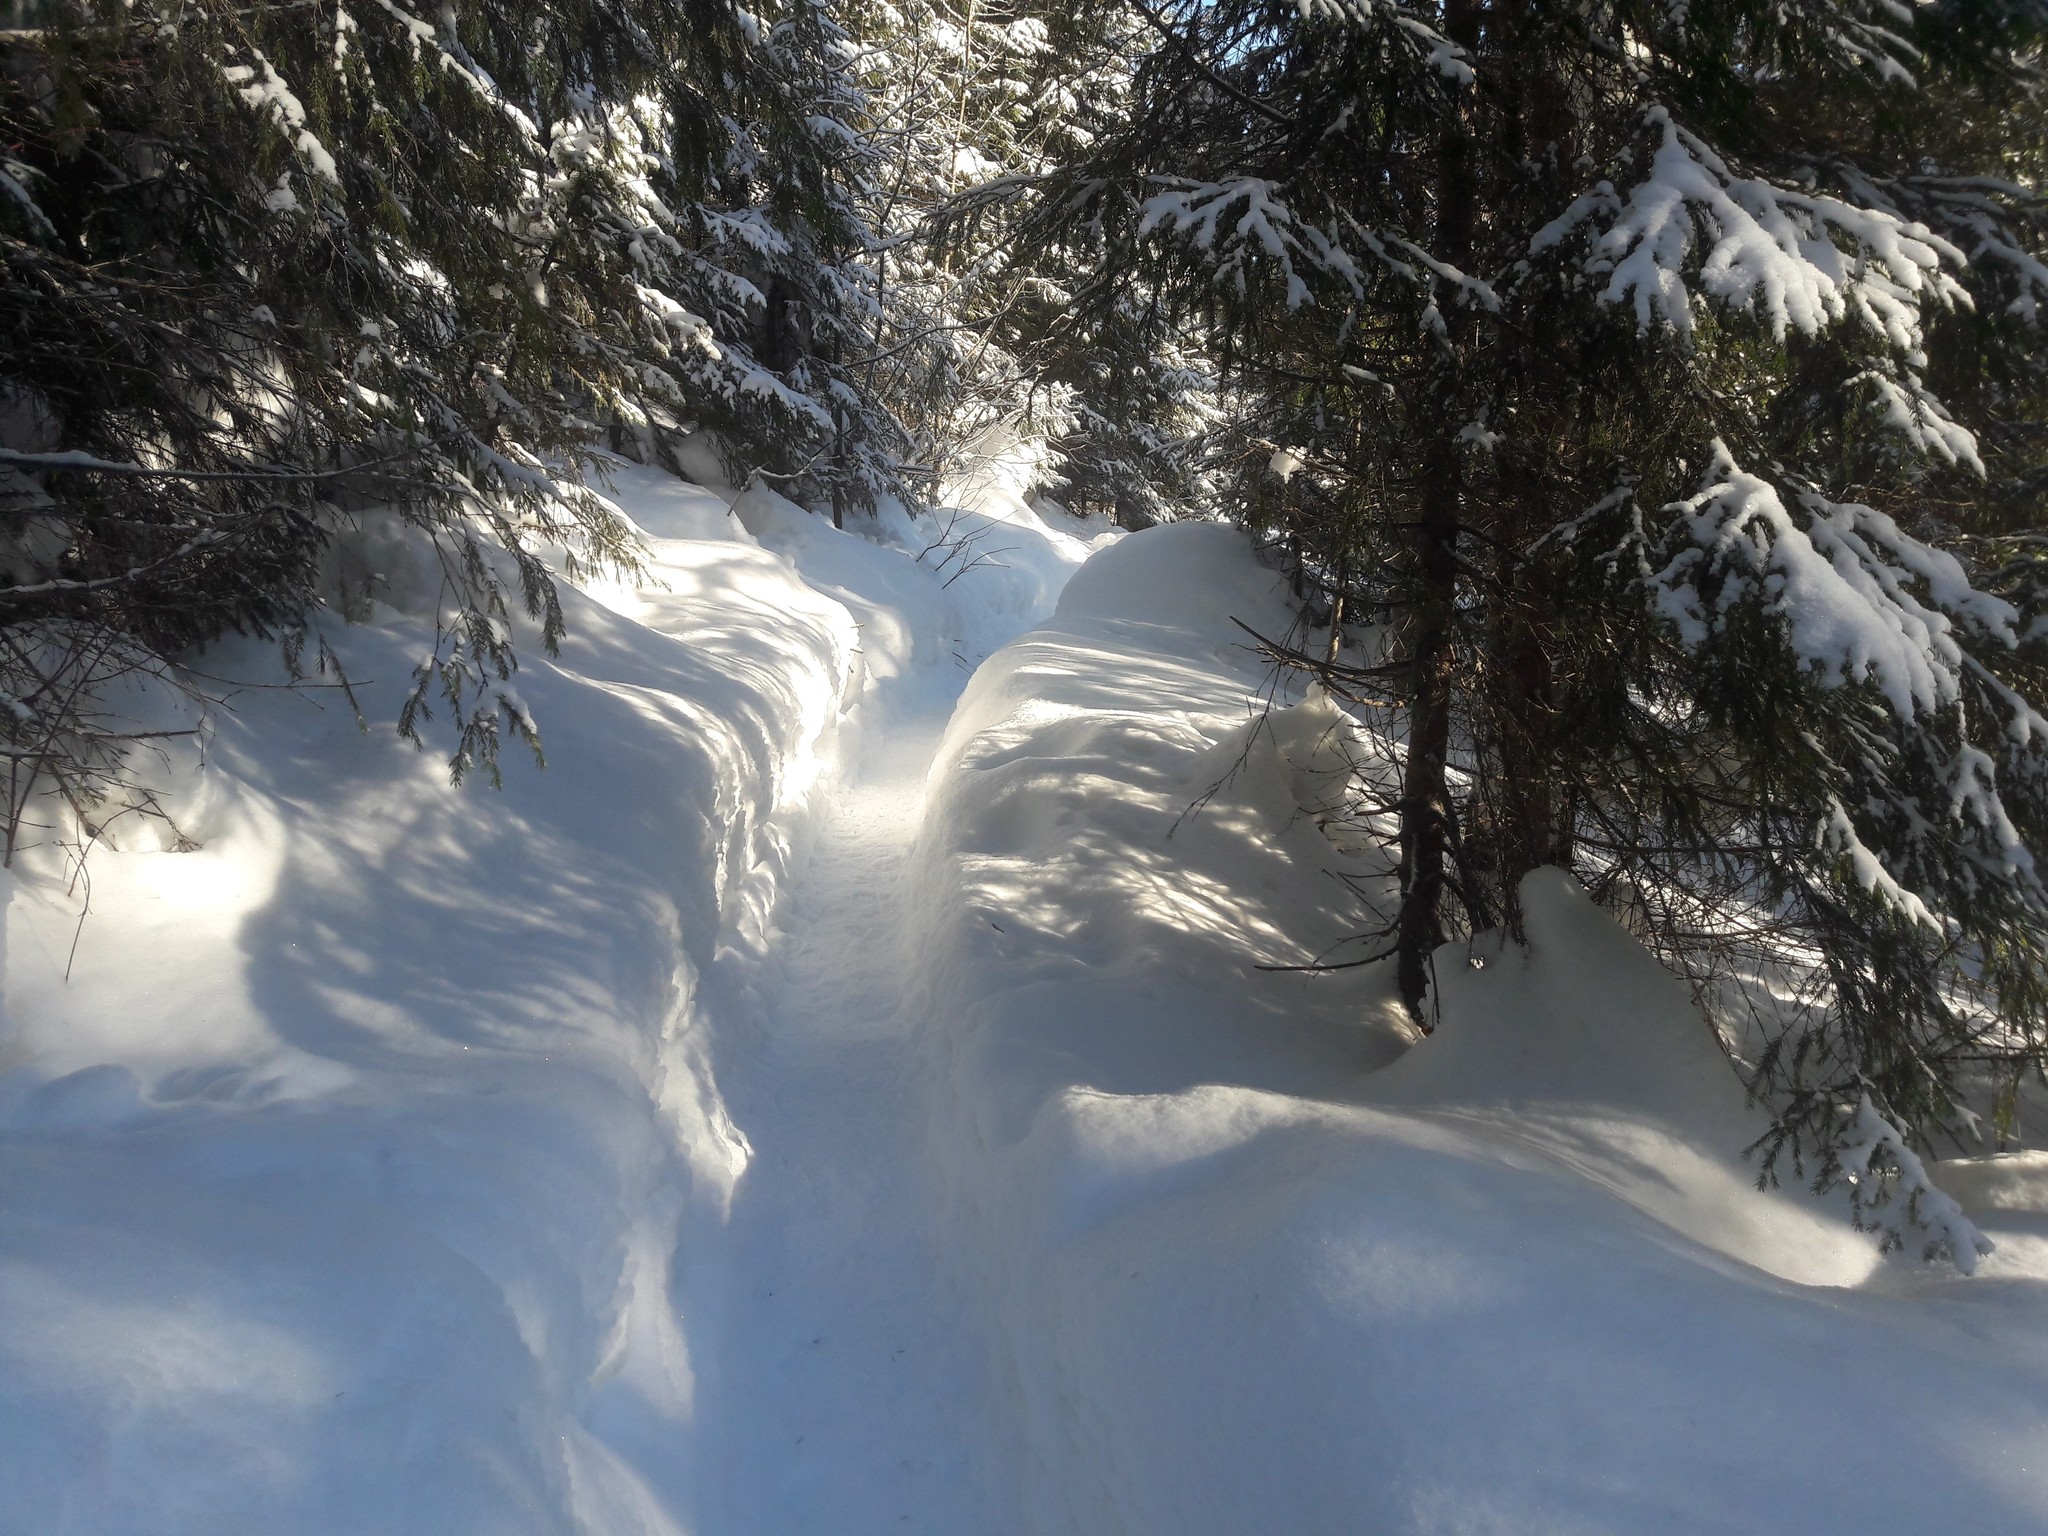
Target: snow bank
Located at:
point(1008, 558)
point(390, 1161)
point(1257, 1263)
point(355, 1178)
point(376, 1167)
point(990, 563)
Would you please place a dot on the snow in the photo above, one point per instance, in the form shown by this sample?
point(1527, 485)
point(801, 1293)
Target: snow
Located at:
point(1284, 462)
point(1199, 209)
point(1799, 261)
point(1196, 210)
point(1916, 1210)
point(358, 1139)
point(1516, 1278)
point(688, 330)
point(263, 90)
point(1907, 408)
point(838, 1094)
point(1840, 582)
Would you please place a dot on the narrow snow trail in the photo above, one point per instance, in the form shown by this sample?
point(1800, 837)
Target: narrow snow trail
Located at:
point(845, 1385)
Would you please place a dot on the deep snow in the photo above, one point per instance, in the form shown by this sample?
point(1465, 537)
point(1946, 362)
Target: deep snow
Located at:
point(809, 1105)
point(347, 1175)
point(1256, 1263)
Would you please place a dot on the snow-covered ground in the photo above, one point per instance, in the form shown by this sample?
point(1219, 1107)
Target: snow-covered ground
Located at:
point(1255, 1263)
point(371, 1170)
point(809, 1105)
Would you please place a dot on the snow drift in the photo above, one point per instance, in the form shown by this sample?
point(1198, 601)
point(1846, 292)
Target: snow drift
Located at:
point(1258, 1263)
point(404, 1159)
point(367, 1172)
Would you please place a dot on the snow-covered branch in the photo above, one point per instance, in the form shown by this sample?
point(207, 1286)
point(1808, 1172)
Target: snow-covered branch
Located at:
point(1693, 229)
point(1895, 1196)
point(1858, 598)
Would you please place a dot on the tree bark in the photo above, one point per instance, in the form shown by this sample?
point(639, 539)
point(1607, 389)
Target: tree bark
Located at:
point(1531, 818)
point(1425, 812)
point(1425, 795)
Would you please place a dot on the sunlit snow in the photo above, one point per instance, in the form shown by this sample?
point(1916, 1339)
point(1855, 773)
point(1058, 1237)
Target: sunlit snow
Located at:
point(839, 1094)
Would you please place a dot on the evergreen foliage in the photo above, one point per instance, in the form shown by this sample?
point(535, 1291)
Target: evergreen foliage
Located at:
point(268, 267)
point(274, 268)
point(1668, 379)
point(971, 102)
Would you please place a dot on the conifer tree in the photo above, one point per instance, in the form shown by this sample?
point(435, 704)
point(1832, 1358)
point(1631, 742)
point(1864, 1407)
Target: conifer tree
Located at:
point(955, 101)
point(786, 246)
point(967, 102)
point(269, 266)
point(1663, 374)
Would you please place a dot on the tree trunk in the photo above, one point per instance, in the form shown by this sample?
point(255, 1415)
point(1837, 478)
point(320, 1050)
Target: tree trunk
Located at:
point(1531, 817)
point(1531, 820)
point(1425, 795)
point(1425, 812)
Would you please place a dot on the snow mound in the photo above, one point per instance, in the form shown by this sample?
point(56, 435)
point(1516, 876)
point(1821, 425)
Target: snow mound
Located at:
point(1581, 1014)
point(1581, 1047)
point(1255, 1262)
point(987, 562)
point(379, 1165)
point(1193, 576)
point(353, 1178)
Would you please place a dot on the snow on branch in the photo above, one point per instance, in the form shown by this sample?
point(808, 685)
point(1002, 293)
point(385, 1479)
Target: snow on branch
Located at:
point(1207, 214)
point(1837, 835)
point(1894, 1194)
point(418, 32)
point(2028, 274)
point(1432, 48)
point(1990, 219)
point(13, 176)
point(749, 227)
point(1875, 46)
point(1801, 261)
point(1402, 256)
point(761, 383)
point(1860, 599)
point(1202, 211)
point(261, 88)
point(674, 321)
point(1905, 405)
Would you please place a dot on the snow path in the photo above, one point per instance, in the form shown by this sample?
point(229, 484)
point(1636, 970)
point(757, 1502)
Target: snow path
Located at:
point(846, 1380)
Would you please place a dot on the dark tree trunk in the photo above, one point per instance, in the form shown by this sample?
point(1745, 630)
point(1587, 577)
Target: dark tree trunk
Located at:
point(1425, 812)
point(1531, 821)
point(1425, 794)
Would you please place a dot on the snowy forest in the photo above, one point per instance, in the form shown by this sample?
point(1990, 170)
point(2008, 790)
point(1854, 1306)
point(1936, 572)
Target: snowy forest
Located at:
point(1173, 767)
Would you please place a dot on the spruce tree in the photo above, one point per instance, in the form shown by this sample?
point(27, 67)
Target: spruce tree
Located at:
point(967, 103)
point(780, 252)
point(269, 267)
point(956, 99)
point(1665, 377)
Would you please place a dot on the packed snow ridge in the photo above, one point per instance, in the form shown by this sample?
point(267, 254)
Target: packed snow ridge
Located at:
point(839, 1093)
